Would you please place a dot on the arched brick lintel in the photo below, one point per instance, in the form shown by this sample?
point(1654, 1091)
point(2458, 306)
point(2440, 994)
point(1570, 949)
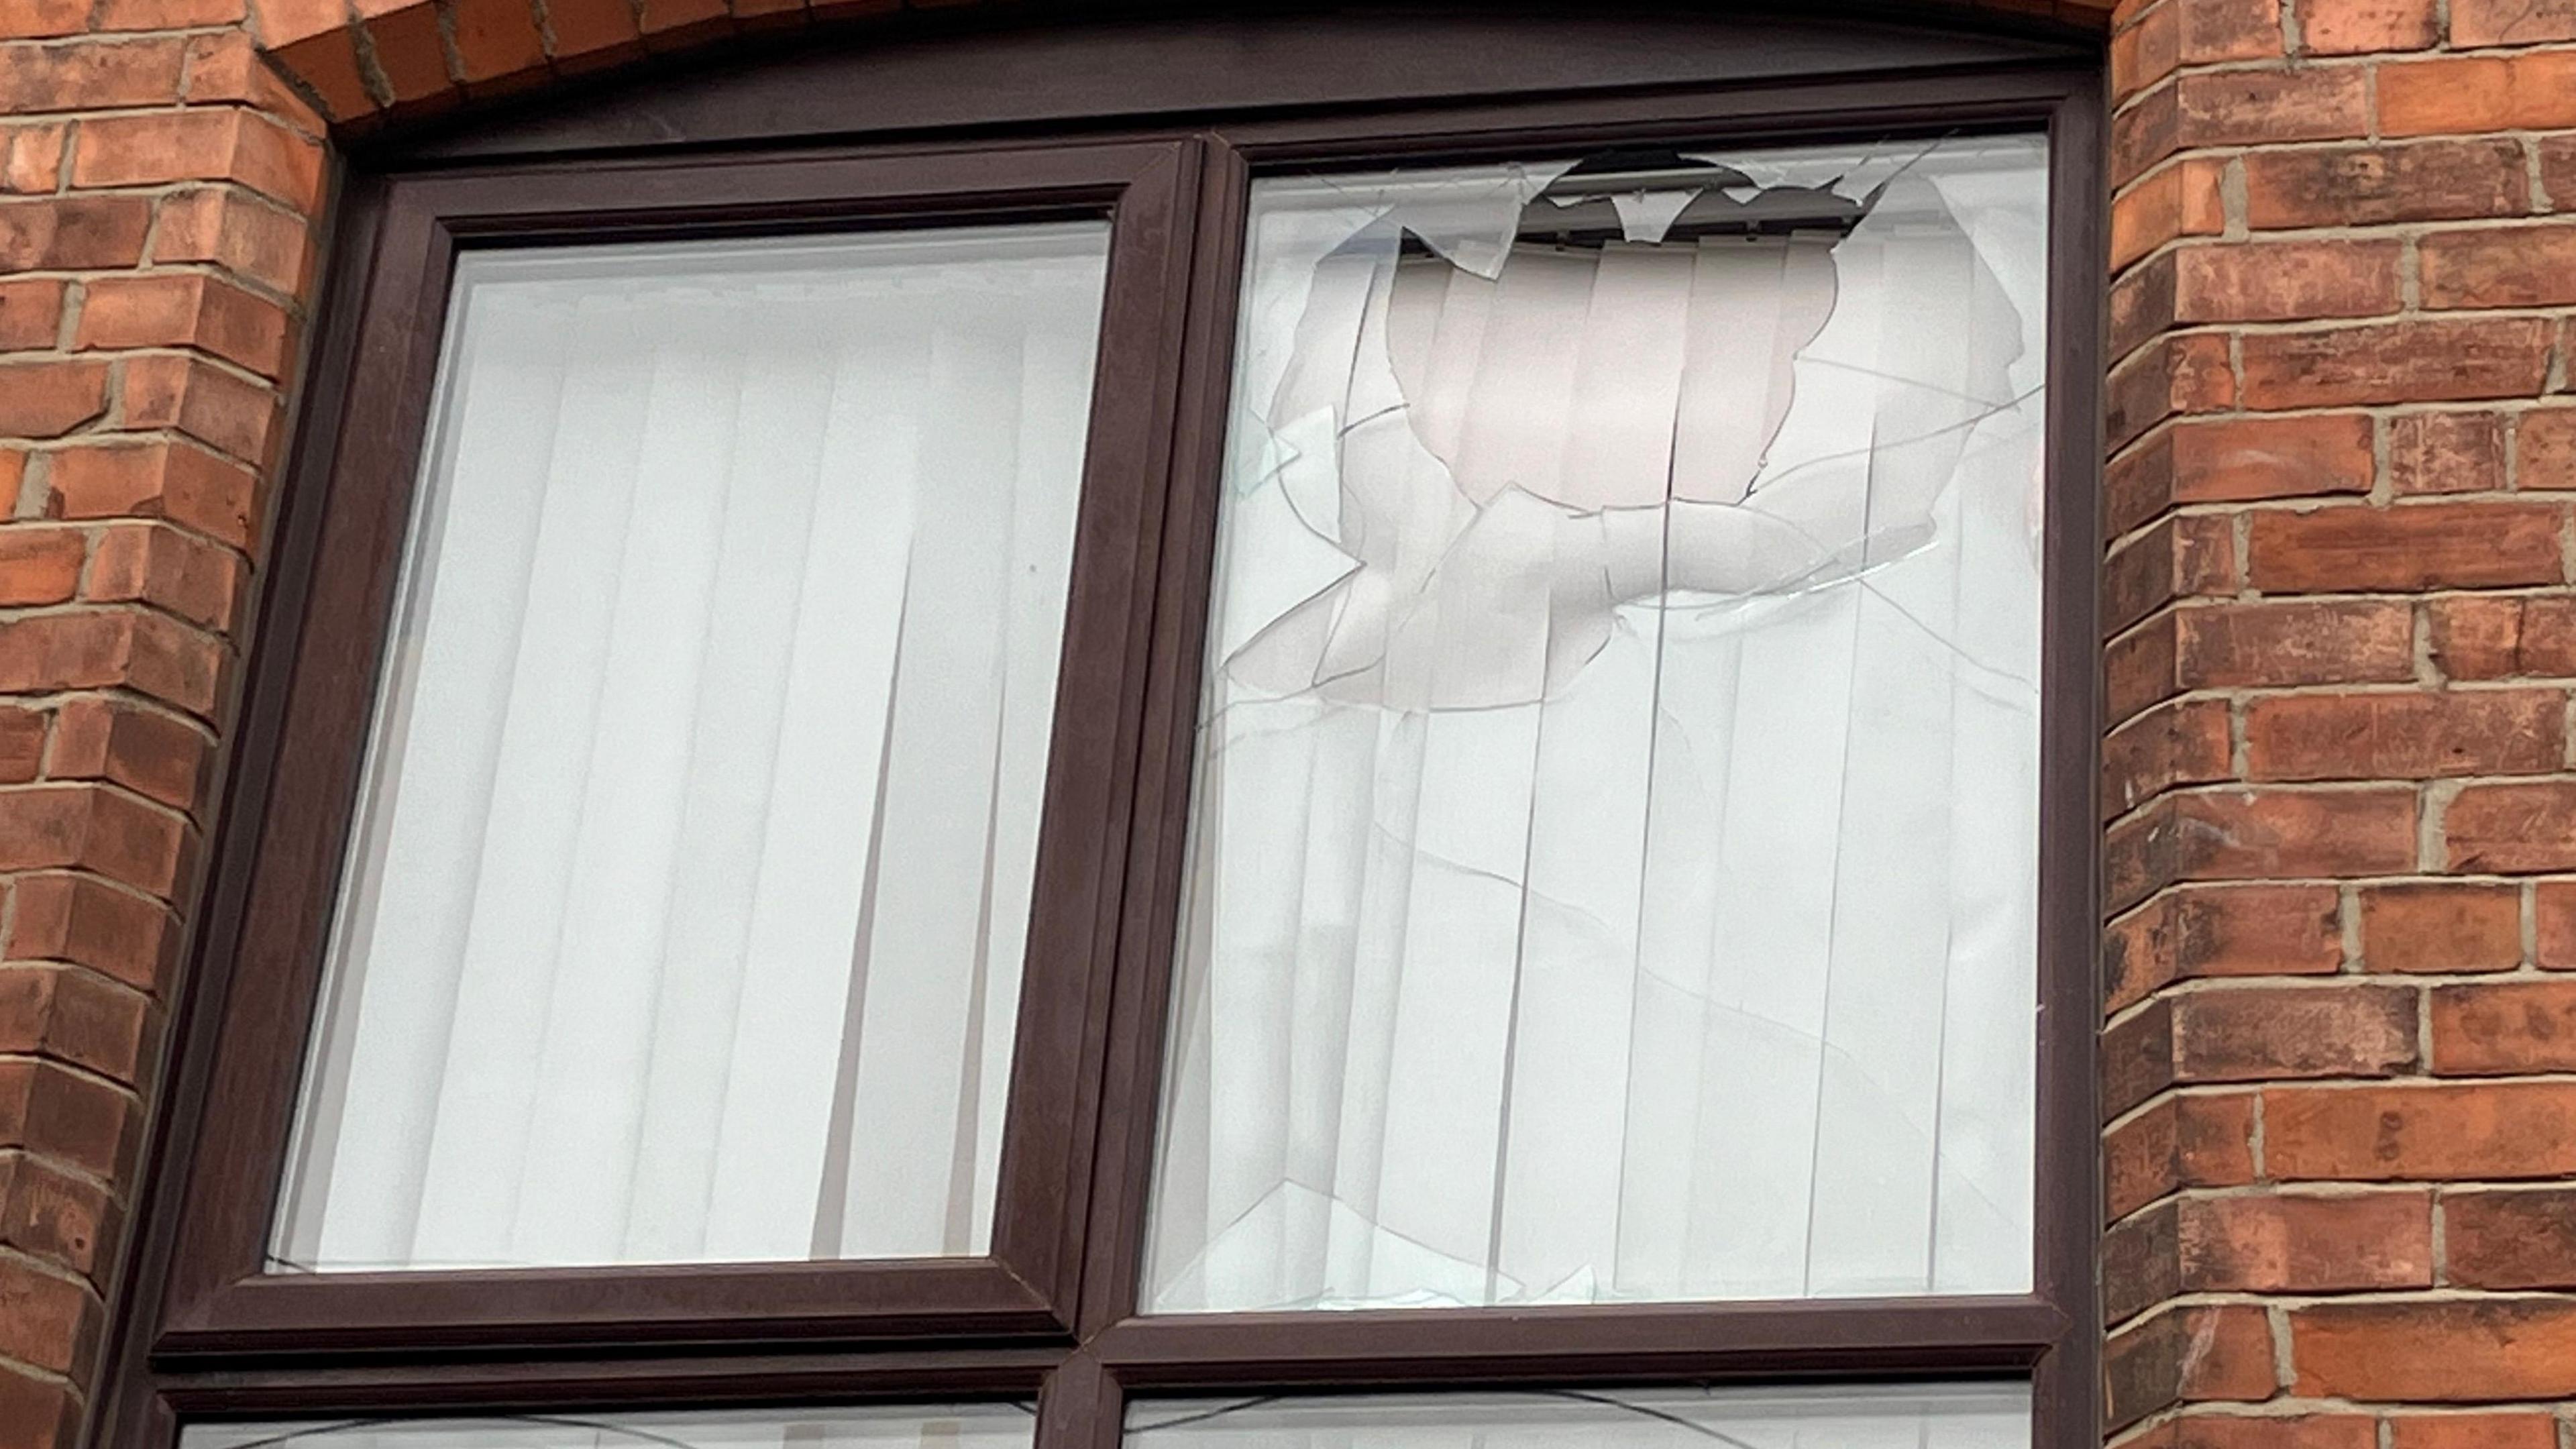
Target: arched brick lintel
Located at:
point(362, 61)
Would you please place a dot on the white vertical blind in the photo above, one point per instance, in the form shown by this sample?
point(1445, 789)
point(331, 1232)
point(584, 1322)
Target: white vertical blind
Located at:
point(1614, 851)
point(871, 1426)
point(684, 915)
point(1838, 1416)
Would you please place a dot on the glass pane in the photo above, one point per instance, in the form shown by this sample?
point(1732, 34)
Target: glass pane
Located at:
point(684, 913)
point(888, 1426)
point(1936, 1416)
point(1613, 870)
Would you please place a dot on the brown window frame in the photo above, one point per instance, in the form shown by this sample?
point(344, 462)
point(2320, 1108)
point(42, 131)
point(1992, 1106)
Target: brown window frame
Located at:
point(1051, 1311)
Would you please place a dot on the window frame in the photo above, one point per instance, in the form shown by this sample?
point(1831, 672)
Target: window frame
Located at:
point(1052, 1312)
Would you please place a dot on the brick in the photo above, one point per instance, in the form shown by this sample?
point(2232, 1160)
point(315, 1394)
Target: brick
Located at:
point(2188, 557)
point(2251, 645)
point(2446, 453)
point(39, 1413)
point(2424, 1131)
point(2511, 828)
point(2141, 306)
point(2465, 95)
point(592, 33)
point(230, 413)
point(89, 75)
point(46, 1319)
point(2448, 360)
point(2144, 54)
point(2306, 1243)
point(31, 157)
point(93, 649)
point(71, 233)
point(165, 14)
point(2255, 107)
point(2137, 1054)
point(2190, 1140)
point(154, 480)
point(2435, 1352)
point(411, 53)
point(2511, 22)
point(2179, 375)
point(283, 22)
point(155, 754)
point(2285, 281)
point(2545, 448)
point(2358, 27)
point(31, 313)
point(668, 24)
point(2219, 30)
point(328, 66)
point(2257, 1033)
point(2181, 200)
point(40, 565)
point(83, 919)
point(46, 399)
point(2441, 926)
point(218, 144)
point(2450, 545)
point(2276, 1431)
point(2185, 743)
point(237, 230)
point(2515, 266)
point(227, 66)
point(2504, 1027)
point(2473, 1431)
point(22, 743)
point(159, 565)
point(2511, 1238)
point(2504, 637)
point(2554, 903)
point(2224, 460)
point(54, 1214)
point(80, 1120)
point(39, 19)
point(185, 310)
point(496, 39)
point(2259, 834)
point(2445, 180)
point(2195, 1353)
point(2405, 735)
point(73, 1016)
point(54, 826)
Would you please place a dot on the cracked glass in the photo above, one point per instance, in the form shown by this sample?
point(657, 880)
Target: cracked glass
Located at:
point(1004, 1425)
point(1613, 853)
point(1856, 1416)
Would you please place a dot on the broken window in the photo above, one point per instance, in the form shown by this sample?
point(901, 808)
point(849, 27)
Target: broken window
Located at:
point(1613, 866)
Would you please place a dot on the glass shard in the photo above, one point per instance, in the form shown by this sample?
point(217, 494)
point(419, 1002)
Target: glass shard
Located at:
point(684, 913)
point(1855, 1416)
point(1613, 863)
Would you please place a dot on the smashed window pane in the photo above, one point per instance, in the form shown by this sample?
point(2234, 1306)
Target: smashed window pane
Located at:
point(884, 1426)
point(1613, 871)
point(1847, 1416)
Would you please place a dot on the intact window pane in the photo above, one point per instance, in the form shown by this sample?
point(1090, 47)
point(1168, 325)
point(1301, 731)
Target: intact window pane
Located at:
point(684, 913)
point(1613, 868)
point(1936, 1416)
point(887, 1426)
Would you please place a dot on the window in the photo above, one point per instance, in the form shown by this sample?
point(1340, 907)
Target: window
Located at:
point(1173, 758)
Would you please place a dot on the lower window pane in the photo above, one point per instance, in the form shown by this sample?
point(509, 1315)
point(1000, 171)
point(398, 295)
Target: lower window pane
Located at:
point(685, 908)
point(1912, 1416)
point(892, 1426)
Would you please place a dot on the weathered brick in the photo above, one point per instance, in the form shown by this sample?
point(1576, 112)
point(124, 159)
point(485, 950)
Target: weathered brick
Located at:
point(2191, 1354)
point(2447, 360)
point(2306, 1243)
point(2446, 452)
point(2514, 266)
point(2222, 930)
point(73, 1016)
point(2184, 743)
point(31, 313)
point(2249, 645)
point(2512, 827)
point(2271, 1033)
point(2504, 637)
point(89, 75)
point(2441, 926)
point(228, 412)
point(2357, 27)
point(2419, 546)
point(2435, 1351)
point(2466, 95)
point(2194, 1139)
point(2504, 1027)
point(157, 564)
point(40, 564)
point(2511, 1237)
point(2284, 281)
point(73, 232)
point(43, 398)
point(2446, 180)
point(2511, 22)
point(154, 480)
point(185, 309)
point(2252, 107)
point(2420, 1131)
point(2183, 199)
point(2554, 906)
point(83, 919)
point(217, 144)
point(2259, 835)
point(156, 754)
point(2405, 735)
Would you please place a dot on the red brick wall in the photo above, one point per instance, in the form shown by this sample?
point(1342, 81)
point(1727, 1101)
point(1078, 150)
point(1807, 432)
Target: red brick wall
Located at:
point(155, 181)
point(2341, 981)
point(2338, 1058)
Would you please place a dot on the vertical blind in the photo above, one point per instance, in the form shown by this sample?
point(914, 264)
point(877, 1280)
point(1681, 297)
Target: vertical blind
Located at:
point(684, 912)
point(1839, 1416)
point(875, 1426)
point(1613, 868)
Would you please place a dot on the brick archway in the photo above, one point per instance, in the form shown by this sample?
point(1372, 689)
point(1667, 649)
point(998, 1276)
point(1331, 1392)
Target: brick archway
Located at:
point(360, 61)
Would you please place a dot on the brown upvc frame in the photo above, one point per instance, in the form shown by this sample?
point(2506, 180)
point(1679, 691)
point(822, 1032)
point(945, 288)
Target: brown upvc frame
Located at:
point(1052, 1313)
